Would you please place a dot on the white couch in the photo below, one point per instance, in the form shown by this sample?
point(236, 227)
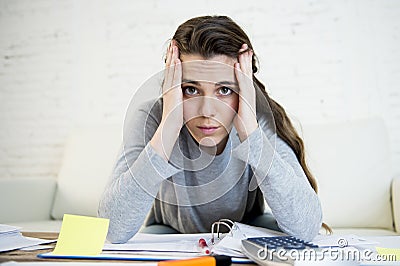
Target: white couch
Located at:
point(351, 161)
point(38, 204)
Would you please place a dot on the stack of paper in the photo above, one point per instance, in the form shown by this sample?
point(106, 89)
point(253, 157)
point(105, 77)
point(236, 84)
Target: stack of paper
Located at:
point(11, 238)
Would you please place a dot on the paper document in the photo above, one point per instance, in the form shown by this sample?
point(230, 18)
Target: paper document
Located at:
point(11, 239)
point(231, 244)
point(8, 229)
point(341, 241)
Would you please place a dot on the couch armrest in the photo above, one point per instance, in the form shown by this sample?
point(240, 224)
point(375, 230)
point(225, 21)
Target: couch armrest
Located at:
point(26, 199)
point(395, 190)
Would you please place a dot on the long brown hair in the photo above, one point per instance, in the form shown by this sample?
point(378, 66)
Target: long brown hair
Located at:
point(209, 36)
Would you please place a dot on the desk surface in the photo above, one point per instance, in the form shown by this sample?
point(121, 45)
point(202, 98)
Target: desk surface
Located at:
point(21, 255)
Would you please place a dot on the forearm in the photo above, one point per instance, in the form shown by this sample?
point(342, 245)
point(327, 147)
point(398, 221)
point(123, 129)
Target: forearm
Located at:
point(126, 213)
point(293, 202)
point(285, 187)
point(130, 195)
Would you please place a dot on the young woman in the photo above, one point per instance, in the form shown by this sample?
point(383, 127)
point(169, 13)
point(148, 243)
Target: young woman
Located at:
point(214, 146)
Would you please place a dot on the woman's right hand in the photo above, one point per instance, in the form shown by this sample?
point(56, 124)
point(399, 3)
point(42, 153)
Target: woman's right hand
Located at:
point(172, 91)
point(168, 131)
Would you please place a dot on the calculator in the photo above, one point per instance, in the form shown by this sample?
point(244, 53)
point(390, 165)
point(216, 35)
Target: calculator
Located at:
point(276, 250)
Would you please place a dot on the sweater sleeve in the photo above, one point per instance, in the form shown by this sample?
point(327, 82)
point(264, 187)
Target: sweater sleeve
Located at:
point(135, 180)
point(285, 187)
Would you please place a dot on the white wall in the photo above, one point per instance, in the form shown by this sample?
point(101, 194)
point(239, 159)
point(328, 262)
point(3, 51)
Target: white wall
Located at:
point(69, 63)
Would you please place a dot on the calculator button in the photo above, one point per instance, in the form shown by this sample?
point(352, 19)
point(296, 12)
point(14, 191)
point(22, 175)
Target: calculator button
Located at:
point(287, 242)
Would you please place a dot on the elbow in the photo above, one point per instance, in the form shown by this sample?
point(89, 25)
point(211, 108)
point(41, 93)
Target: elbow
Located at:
point(307, 231)
point(312, 224)
point(116, 233)
point(311, 232)
point(311, 227)
point(117, 238)
point(307, 227)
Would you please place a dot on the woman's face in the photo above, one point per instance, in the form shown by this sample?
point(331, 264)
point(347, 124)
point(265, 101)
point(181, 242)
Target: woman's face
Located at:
point(210, 98)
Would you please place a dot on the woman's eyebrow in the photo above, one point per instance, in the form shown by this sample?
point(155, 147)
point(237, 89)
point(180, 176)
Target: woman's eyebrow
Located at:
point(230, 83)
point(190, 81)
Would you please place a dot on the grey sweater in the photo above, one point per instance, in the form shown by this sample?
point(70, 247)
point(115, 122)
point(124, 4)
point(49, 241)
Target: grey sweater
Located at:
point(194, 189)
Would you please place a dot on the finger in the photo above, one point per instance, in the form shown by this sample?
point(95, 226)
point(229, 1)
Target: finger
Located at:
point(243, 48)
point(169, 54)
point(243, 80)
point(239, 76)
point(172, 54)
point(251, 53)
point(243, 58)
point(175, 53)
point(248, 53)
point(249, 62)
point(246, 61)
point(167, 65)
point(177, 78)
point(169, 72)
point(243, 62)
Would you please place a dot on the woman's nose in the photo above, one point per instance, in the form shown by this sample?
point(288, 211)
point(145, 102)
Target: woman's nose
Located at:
point(208, 106)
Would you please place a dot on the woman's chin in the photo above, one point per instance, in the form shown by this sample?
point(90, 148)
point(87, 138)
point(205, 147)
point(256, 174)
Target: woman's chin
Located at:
point(208, 142)
point(213, 145)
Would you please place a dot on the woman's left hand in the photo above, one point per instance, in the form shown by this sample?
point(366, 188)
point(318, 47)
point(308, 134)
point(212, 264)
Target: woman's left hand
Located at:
point(245, 120)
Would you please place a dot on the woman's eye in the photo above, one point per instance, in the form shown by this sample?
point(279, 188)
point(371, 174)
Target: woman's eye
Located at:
point(189, 90)
point(225, 91)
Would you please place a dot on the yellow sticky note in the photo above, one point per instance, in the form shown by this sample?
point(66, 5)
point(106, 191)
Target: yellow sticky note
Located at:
point(389, 253)
point(81, 235)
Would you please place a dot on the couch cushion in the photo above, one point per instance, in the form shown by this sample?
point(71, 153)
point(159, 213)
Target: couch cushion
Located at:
point(26, 199)
point(351, 161)
point(364, 232)
point(89, 157)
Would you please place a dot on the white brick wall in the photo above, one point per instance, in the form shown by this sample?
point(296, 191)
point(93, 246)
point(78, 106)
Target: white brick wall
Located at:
point(70, 63)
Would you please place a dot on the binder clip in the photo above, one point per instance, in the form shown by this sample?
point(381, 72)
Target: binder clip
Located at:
point(226, 222)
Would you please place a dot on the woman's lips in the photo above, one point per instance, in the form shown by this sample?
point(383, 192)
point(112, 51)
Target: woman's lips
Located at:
point(208, 130)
